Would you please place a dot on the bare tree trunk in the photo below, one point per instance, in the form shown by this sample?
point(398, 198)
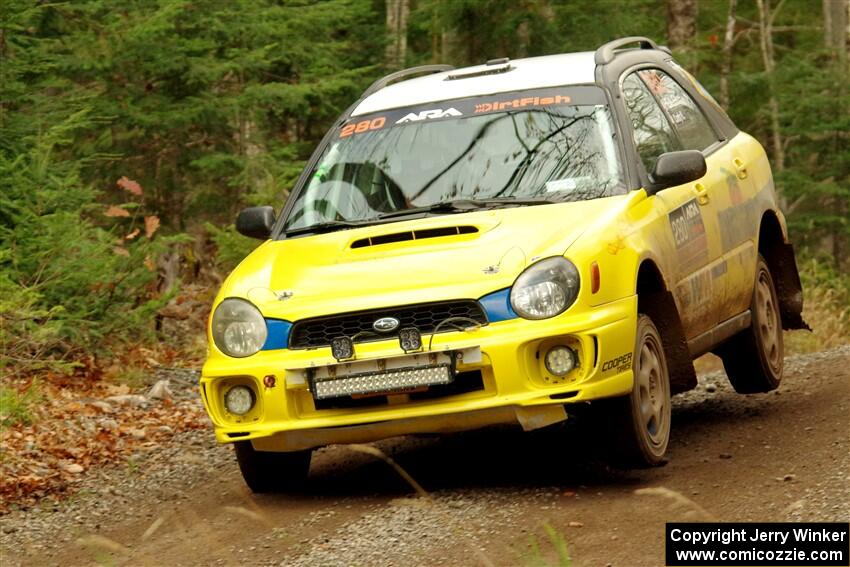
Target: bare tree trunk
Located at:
point(836, 28)
point(766, 44)
point(523, 38)
point(436, 37)
point(681, 22)
point(835, 22)
point(448, 45)
point(728, 47)
point(396, 51)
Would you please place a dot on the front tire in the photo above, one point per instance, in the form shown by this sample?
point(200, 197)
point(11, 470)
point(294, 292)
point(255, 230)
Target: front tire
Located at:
point(640, 422)
point(754, 358)
point(266, 471)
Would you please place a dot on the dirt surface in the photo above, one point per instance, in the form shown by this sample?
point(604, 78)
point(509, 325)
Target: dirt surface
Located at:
point(783, 456)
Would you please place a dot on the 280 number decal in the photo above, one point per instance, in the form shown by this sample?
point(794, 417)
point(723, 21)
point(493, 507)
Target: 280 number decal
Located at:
point(362, 126)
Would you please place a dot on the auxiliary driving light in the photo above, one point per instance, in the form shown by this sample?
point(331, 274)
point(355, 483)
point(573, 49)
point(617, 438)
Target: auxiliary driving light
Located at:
point(342, 348)
point(560, 360)
point(239, 400)
point(409, 339)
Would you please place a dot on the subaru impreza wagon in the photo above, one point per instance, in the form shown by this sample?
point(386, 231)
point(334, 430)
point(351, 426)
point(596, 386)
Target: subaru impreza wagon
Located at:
point(499, 244)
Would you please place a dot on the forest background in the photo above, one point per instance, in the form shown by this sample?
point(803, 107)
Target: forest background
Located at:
point(132, 132)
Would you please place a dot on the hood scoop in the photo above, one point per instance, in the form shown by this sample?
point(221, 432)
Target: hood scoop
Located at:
point(413, 235)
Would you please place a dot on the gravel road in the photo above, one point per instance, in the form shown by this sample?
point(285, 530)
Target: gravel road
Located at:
point(783, 456)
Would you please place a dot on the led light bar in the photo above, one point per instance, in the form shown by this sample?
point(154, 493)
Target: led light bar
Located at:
point(389, 381)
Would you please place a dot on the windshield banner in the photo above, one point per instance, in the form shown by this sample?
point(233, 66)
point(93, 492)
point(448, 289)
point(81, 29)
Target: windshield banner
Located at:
point(474, 106)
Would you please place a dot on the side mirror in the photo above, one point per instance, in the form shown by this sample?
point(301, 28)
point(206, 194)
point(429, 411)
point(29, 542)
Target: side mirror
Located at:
point(676, 168)
point(255, 222)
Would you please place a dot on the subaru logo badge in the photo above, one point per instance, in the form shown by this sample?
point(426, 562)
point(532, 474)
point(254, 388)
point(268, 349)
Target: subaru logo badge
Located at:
point(385, 324)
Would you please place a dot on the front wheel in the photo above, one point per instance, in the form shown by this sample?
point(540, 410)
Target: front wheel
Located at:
point(754, 358)
point(639, 423)
point(266, 471)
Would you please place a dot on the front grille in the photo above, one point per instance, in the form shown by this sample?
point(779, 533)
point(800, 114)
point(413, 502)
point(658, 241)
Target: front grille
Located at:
point(318, 331)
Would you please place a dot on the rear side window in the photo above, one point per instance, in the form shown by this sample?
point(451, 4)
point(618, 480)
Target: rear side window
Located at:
point(698, 86)
point(652, 132)
point(691, 124)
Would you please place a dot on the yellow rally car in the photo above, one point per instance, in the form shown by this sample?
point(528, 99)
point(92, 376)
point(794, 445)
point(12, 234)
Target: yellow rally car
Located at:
point(500, 244)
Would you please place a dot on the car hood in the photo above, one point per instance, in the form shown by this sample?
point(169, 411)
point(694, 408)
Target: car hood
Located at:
point(465, 255)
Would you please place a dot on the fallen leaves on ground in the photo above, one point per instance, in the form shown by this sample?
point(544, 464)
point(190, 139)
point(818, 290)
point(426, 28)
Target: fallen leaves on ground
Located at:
point(78, 427)
point(99, 413)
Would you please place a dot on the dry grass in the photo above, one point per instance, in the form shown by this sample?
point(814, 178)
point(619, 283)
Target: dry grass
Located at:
point(826, 308)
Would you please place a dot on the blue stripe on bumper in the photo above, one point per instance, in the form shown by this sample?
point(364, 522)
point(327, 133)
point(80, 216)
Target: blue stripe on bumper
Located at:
point(498, 306)
point(278, 334)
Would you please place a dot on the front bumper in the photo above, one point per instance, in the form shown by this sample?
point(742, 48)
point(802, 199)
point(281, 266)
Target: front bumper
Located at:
point(515, 386)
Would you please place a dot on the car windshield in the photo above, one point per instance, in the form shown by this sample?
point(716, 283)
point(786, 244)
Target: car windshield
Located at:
point(530, 147)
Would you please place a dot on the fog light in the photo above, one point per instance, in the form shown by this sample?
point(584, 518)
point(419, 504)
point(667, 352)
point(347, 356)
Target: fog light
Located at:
point(409, 339)
point(342, 348)
point(239, 400)
point(560, 360)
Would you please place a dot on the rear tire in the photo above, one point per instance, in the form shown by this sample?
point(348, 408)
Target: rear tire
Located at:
point(639, 423)
point(754, 358)
point(266, 471)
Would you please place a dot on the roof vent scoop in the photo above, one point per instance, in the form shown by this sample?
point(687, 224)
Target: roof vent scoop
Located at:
point(492, 67)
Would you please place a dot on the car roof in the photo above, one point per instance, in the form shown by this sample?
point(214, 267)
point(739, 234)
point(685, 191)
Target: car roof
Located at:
point(523, 74)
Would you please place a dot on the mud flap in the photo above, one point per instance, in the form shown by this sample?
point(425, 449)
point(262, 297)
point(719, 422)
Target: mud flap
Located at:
point(783, 268)
point(661, 307)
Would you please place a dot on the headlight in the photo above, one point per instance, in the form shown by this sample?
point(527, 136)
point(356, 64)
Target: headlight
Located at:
point(545, 289)
point(238, 328)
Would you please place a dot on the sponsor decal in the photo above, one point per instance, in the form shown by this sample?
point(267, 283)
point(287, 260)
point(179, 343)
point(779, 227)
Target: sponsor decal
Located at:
point(679, 114)
point(735, 195)
point(498, 105)
point(466, 107)
point(695, 292)
point(654, 80)
point(621, 363)
point(428, 115)
point(616, 245)
point(719, 270)
point(740, 222)
point(689, 235)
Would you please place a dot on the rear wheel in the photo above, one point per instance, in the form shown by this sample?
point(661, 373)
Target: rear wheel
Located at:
point(640, 422)
point(266, 471)
point(754, 358)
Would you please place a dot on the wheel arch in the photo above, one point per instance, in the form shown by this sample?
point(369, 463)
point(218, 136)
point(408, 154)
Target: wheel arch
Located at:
point(656, 300)
point(778, 252)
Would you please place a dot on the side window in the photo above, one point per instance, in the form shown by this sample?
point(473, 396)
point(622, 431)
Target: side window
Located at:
point(697, 85)
point(652, 131)
point(694, 130)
